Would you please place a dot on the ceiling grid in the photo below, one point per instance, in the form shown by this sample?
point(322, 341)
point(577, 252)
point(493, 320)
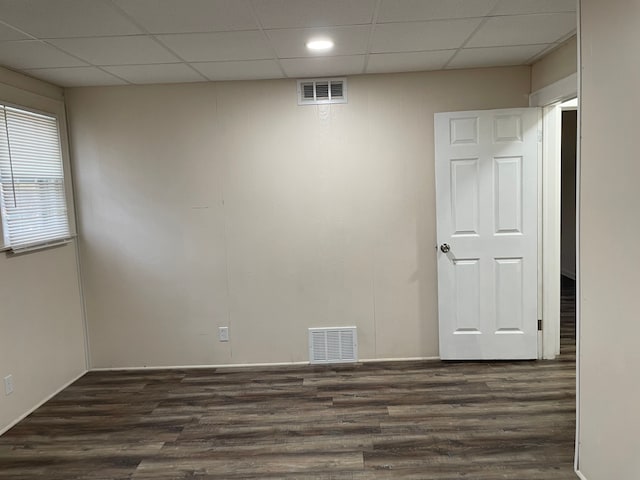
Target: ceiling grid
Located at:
point(113, 42)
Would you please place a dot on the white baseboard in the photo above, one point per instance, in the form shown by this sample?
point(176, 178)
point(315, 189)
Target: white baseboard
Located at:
point(195, 367)
point(38, 405)
point(407, 359)
point(568, 274)
point(252, 365)
point(580, 475)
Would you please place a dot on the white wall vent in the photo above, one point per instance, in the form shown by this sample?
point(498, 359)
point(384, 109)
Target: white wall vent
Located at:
point(333, 345)
point(322, 90)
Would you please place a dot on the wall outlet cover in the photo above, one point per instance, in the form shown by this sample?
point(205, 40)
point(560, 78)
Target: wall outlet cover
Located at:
point(8, 385)
point(223, 334)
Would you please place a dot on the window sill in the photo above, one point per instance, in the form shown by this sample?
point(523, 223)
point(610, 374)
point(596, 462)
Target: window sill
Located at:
point(11, 251)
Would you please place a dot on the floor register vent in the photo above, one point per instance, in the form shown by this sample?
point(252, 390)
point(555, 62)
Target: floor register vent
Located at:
point(333, 345)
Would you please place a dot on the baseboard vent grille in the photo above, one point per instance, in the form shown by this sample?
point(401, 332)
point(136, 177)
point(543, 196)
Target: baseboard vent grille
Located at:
point(333, 345)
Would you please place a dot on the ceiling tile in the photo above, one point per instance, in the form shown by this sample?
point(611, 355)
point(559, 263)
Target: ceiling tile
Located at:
point(419, 36)
point(163, 73)
point(211, 47)
point(518, 7)
point(75, 76)
point(186, 16)
point(251, 69)
point(8, 33)
point(312, 13)
point(34, 54)
point(292, 43)
point(323, 66)
point(495, 56)
point(523, 30)
point(65, 18)
point(421, 10)
point(224, 40)
point(117, 50)
point(408, 62)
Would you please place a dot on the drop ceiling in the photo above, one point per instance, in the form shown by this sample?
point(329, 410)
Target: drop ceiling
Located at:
point(117, 42)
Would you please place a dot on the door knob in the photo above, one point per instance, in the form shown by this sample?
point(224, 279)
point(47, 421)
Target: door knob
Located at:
point(444, 248)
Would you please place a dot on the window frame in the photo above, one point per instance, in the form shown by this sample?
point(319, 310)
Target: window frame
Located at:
point(56, 111)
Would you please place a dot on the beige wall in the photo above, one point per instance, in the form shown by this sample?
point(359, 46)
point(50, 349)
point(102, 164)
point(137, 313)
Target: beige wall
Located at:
point(610, 226)
point(41, 327)
point(559, 64)
point(206, 205)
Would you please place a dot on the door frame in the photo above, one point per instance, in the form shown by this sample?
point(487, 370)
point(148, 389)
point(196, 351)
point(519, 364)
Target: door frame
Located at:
point(549, 99)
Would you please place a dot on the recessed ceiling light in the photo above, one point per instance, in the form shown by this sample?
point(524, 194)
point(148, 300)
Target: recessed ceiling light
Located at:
point(320, 45)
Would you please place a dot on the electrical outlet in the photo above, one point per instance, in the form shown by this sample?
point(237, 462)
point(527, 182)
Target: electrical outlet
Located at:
point(223, 334)
point(8, 385)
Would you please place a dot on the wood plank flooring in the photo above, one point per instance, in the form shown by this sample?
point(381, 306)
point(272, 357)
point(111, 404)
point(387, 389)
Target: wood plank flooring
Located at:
point(409, 420)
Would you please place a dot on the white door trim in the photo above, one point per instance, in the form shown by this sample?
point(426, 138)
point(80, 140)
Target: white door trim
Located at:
point(551, 227)
point(550, 98)
point(559, 91)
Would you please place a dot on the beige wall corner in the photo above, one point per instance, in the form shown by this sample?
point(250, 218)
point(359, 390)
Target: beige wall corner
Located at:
point(609, 357)
point(558, 64)
point(17, 81)
point(42, 341)
point(41, 324)
point(227, 204)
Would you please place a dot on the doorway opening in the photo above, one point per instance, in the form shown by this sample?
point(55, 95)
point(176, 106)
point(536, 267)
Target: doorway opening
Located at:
point(568, 157)
point(554, 100)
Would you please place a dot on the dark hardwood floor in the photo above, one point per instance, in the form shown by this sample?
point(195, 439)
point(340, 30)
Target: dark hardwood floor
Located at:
point(409, 420)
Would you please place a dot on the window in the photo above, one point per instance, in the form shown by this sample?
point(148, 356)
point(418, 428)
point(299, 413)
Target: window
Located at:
point(33, 204)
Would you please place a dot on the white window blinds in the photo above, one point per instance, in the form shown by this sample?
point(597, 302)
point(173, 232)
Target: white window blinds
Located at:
point(33, 205)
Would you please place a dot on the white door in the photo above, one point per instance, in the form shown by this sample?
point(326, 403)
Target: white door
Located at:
point(487, 208)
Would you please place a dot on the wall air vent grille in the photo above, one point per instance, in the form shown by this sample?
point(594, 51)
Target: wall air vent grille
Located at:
point(320, 91)
point(333, 345)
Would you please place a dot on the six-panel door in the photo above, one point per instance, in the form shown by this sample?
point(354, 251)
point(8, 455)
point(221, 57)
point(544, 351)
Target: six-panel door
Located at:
point(486, 196)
